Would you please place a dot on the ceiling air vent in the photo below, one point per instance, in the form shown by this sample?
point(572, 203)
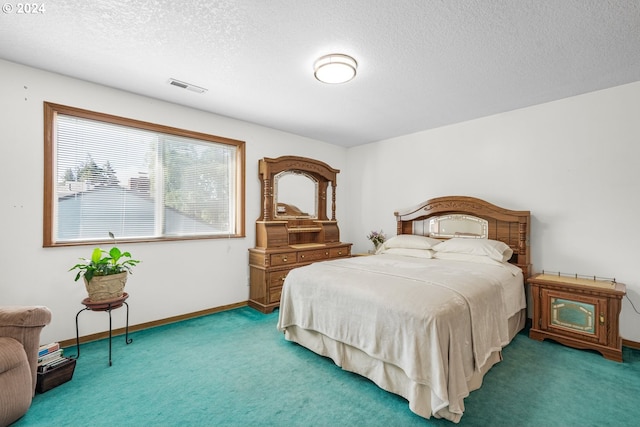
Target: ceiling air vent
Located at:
point(188, 86)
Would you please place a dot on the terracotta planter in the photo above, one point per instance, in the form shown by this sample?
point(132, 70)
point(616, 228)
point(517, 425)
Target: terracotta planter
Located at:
point(102, 288)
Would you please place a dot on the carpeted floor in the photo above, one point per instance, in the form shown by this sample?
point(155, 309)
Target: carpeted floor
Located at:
point(235, 369)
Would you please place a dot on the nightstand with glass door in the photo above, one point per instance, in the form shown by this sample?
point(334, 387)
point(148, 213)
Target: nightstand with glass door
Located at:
point(577, 311)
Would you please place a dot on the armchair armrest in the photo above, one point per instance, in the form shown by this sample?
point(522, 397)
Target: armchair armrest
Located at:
point(24, 324)
point(24, 316)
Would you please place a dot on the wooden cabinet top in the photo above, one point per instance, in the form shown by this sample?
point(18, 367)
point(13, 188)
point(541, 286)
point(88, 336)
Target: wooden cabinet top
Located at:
point(578, 283)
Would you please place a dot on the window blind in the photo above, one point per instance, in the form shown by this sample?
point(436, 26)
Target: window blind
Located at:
point(137, 183)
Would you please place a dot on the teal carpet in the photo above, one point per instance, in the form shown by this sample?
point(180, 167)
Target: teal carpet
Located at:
point(235, 369)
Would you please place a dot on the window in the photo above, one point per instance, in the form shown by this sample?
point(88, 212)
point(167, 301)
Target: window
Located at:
point(137, 180)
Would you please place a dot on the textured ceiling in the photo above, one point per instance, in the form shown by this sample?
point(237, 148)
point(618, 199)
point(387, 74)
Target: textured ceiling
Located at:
point(422, 63)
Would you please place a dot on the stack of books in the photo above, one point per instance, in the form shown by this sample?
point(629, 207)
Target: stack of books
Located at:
point(50, 356)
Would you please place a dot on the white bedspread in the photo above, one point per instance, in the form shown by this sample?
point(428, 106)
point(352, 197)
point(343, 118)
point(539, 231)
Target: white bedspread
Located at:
point(437, 320)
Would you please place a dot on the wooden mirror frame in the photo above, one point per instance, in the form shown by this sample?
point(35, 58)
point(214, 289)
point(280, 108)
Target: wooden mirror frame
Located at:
point(323, 173)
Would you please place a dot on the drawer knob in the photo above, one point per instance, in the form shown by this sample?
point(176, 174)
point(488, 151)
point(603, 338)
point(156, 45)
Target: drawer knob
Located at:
point(284, 259)
point(302, 256)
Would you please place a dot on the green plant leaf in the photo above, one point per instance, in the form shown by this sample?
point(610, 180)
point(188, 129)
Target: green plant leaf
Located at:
point(96, 255)
point(87, 275)
point(115, 255)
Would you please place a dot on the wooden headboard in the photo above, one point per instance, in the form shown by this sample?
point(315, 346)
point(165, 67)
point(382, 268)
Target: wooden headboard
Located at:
point(505, 225)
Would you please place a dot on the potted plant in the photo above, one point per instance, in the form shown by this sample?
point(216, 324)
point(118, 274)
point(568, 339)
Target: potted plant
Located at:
point(105, 273)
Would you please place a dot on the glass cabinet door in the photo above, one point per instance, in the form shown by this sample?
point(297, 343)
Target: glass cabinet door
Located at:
point(576, 315)
point(579, 314)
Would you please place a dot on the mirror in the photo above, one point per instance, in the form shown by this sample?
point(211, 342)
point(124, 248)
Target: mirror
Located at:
point(453, 226)
point(295, 195)
point(458, 226)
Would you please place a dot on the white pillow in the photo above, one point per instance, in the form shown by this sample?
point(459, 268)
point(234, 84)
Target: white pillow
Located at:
point(416, 253)
point(411, 241)
point(493, 249)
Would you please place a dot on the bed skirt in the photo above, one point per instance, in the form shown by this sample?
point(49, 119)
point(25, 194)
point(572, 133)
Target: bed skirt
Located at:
point(390, 377)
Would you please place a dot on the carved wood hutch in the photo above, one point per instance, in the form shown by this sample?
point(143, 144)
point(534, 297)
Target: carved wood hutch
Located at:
point(294, 228)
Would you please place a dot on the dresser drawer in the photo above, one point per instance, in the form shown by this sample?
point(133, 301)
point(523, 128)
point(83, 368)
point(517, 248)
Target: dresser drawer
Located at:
point(276, 278)
point(283, 259)
point(339, 252)
point(315, 255)
point(275, 294)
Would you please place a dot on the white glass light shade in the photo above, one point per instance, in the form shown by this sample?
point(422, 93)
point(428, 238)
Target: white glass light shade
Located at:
point(335, 68)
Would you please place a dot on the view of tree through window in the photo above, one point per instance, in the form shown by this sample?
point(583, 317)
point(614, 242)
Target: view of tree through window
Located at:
point(109, 174)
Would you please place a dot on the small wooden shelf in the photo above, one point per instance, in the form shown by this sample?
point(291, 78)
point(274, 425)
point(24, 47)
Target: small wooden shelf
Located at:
point(305, 229)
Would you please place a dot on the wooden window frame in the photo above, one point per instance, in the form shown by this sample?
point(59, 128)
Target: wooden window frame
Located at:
point(50, 112)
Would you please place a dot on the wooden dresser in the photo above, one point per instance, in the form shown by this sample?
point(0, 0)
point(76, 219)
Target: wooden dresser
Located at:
point(290, 235)
point(578, 312)
point(269, 268)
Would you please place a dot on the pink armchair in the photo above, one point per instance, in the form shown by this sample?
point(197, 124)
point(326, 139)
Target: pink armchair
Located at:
point(20, 329)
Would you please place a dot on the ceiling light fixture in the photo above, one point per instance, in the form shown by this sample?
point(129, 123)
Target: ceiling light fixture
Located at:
point(335, 68)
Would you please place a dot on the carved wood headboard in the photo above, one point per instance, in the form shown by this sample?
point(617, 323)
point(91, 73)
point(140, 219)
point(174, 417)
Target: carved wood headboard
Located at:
point(505, 225)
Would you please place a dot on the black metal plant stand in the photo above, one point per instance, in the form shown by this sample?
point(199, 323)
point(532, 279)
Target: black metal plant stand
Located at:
point(107, 306)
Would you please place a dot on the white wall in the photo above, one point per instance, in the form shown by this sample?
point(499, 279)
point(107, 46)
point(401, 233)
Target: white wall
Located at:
point(573, 163)
point(175, 277)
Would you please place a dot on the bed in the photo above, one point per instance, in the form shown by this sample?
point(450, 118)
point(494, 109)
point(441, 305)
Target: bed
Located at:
point(427, 316)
